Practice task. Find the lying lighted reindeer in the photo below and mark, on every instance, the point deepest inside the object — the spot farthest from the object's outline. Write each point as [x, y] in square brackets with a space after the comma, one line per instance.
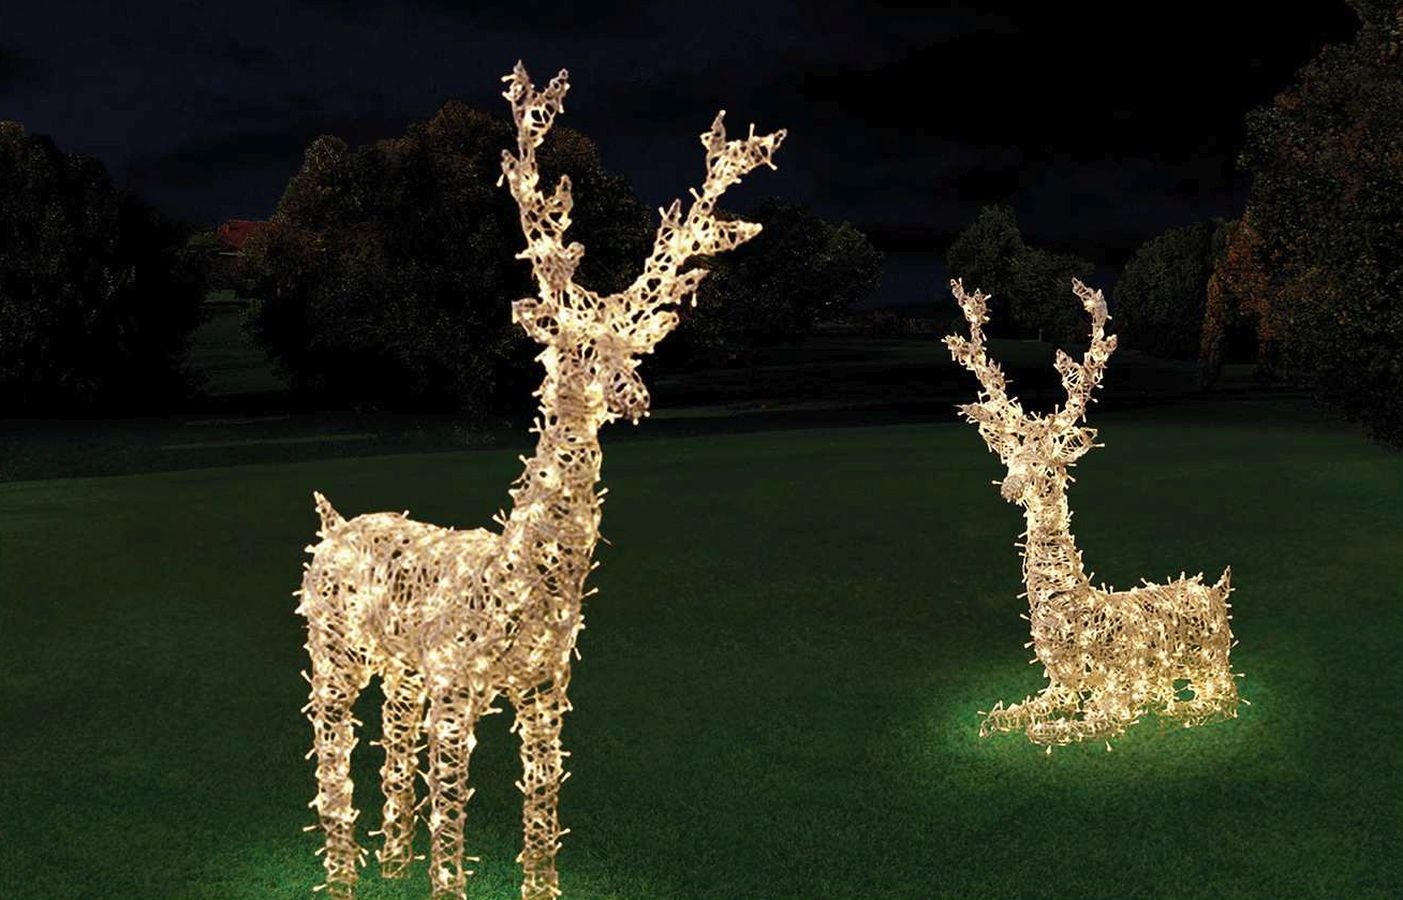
[1109, 656]
[457, 619]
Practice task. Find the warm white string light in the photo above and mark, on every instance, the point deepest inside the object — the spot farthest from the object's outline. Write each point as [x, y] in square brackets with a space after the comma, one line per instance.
[1109, 656]
[453, 620]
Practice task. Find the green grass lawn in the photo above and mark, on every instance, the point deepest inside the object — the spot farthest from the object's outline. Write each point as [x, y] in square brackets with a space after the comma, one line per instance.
[229, 361]
[780, 680]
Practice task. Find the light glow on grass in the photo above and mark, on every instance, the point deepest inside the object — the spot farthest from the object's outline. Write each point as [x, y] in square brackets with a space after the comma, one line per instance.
[1159, 754]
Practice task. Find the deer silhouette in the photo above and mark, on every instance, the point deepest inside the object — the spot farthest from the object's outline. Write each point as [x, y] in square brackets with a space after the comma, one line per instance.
[453, 620]
[1109, 656]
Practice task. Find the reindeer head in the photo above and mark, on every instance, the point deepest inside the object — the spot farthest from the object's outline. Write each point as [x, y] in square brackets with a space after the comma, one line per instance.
[587, 346]
[600, 339]
[1035, 448]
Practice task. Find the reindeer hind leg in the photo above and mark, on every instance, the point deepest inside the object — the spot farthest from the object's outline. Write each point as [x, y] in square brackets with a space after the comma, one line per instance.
[402, 716]
[1213, 686]
[1209, 671]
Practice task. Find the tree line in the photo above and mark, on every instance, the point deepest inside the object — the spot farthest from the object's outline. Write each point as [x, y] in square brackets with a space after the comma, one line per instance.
[98, 292]
[382, 280]
[1160, 301]
[384, 275]
[1307, 282]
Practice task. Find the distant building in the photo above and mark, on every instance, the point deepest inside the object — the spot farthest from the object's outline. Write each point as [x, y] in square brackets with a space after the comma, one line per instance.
[233, 233]
[229, 239]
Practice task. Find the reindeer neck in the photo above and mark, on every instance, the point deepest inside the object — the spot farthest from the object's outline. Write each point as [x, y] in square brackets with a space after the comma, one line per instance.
[554, 521]
[1052, 564]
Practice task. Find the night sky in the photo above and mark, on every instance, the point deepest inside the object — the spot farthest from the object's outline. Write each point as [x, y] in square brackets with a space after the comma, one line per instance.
[1101, 128]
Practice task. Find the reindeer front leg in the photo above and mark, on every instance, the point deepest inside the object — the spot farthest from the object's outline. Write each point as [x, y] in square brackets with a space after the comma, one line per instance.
[1051, 702]
[338, 676]
[1102, 717]
[539, 715]
[402, 716]
[452, 717]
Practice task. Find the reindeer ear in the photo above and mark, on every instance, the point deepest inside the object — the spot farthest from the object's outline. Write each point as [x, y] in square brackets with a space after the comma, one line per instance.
[538, 319]
[971, 411]
[1074, 443]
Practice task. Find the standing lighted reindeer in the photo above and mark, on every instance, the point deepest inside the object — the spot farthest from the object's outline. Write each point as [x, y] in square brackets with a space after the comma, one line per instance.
[1109, 656]
[456, 619]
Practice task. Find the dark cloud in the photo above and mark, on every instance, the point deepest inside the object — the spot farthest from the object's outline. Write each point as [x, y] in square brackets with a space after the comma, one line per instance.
[1085, 83]
[989, 185]
[366, 110]
[243, 57]
[242, 173]
[539, 16]
[236, 112]
[18, 70]
[1101, 127]
[549, 16]
[195, 162]
[199, 41]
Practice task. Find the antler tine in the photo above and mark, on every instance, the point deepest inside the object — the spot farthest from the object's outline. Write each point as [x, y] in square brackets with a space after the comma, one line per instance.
[970, 352]
[996, 413]
[544, 220]
[536, 109]
[1080, 379]
[698, 233]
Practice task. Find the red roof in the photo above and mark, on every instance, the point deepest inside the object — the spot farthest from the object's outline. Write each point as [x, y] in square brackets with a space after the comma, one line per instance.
[234, 232]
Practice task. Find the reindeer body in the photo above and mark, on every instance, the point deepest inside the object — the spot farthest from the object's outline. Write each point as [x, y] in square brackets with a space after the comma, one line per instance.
[451, 621]
[1109, 656]
[409, 559]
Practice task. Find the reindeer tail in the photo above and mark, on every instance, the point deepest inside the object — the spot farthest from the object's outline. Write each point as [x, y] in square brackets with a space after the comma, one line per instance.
[329, 516]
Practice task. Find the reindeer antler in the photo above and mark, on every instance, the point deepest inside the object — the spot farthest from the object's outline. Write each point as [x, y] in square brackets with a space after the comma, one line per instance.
[699, 233]
[996, 409]
[1080, 379]
[662, 283]
[969, 352]
[544, 220]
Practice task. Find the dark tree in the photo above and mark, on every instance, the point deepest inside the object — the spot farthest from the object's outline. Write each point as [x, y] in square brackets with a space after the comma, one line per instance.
[386, 274]
[799, 271]
[1034, 284]
[98, 295]
[1042, 298]
[983, 256]
[1163, 292]
[1235, 321]
[1327, 204]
